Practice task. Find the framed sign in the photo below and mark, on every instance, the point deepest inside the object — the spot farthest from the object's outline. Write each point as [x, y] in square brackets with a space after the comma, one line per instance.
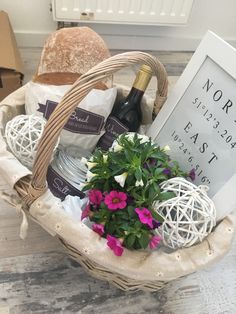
[198, 121]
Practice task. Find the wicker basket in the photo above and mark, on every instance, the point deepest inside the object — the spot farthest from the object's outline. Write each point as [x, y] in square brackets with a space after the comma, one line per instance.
[135, 269]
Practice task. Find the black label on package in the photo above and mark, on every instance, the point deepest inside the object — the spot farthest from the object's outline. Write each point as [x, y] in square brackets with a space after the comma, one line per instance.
[80, 121]
[60, 187]
[113, 128]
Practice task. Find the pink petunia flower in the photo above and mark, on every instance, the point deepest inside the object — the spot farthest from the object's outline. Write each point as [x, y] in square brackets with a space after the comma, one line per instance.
[115, 200]
[192, 174]
[85, 212]
[155, 240]
[95, 197]
[98, 228]
[145, 216]
[115, 245]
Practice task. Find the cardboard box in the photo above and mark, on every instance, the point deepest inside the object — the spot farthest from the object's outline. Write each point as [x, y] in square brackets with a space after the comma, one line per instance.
[11, 66]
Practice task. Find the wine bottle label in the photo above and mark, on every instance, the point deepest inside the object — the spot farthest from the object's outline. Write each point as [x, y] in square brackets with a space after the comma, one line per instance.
[80, 121]
[60, 187]
[113, 128]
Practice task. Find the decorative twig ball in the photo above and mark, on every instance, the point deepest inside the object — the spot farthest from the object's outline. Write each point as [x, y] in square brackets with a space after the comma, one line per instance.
[22, 134]
[189, 217]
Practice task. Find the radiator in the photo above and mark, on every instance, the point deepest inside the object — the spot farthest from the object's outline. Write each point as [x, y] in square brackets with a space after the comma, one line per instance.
[143, 12]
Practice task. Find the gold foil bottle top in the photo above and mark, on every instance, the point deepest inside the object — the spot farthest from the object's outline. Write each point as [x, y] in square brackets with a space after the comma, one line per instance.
[143, 77]
[146, 68]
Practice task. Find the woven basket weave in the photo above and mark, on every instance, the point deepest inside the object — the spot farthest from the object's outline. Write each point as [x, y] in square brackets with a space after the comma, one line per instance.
[135, 269]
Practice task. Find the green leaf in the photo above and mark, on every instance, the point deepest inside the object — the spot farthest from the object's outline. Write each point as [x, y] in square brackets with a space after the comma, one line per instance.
[161, 178]
[158, 171]
[138, 224]
[138, 174]
[125, 226]
[156, 187]
[129, 241]
[87, 187]
[102, 206]
[128, 155]
[144, 240]
[131, 212]
[130, 180]
[106, 186]
[157, 216]
[145, 172]
[166, 196]
[151, 192]
[111, 227]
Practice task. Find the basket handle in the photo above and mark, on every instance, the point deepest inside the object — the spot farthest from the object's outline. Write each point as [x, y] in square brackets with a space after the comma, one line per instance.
[70, 101]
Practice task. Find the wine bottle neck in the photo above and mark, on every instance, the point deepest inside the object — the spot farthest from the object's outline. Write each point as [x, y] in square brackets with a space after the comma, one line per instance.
[135, 95]
[143, 78]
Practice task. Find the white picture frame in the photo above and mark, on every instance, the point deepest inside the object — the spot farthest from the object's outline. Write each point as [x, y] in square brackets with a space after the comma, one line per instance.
[214, 60]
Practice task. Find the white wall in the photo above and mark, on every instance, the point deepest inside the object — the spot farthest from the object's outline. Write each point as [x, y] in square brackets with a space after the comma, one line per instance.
[32, 22]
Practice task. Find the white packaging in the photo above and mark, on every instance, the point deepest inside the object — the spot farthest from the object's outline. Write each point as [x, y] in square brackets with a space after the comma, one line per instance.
[86, 124]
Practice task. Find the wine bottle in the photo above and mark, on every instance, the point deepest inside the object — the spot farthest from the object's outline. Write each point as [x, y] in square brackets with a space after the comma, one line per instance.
[126, 114]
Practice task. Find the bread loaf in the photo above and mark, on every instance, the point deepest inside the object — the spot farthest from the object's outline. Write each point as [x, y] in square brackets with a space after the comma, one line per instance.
[60, 78]
[70, 52]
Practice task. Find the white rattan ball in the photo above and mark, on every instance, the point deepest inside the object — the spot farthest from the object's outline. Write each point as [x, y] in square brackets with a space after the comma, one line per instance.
[189, 217]
[22, 134]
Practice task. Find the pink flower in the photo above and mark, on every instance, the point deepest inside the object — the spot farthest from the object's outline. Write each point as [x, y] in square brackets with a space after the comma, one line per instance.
[145, 216]
[155, 240]
[115, 245]
[99, 228]
[192, 174]
[85, 212]
[95, 197]
[116, 200]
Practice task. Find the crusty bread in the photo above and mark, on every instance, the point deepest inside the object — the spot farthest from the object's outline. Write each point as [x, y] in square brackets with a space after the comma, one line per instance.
[68, 53]
[61, 78]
